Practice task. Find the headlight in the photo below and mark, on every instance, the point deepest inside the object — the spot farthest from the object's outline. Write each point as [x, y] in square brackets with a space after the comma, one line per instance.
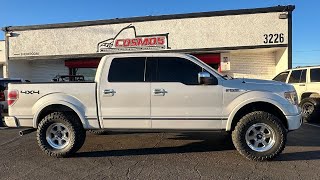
[292, 97]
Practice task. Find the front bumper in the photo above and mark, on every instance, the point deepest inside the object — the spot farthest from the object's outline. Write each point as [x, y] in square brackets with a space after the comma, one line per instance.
[294, 122]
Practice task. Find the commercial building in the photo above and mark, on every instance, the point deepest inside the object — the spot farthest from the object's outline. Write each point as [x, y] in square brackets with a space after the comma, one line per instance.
[254, 43]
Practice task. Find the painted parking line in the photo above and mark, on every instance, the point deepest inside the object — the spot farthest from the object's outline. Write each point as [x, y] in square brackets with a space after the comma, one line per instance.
[315, 125]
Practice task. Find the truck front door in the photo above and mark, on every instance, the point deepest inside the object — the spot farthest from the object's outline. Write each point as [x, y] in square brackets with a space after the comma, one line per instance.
[178, 101]
[124, 94]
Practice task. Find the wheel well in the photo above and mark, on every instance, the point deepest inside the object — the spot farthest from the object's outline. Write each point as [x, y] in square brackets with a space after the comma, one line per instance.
[259, 106]
[305, 95]
[56, 108]
[310, 94]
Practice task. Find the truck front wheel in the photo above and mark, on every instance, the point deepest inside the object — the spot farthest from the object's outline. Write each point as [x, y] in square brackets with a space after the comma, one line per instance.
[259, 136]
[60, 135]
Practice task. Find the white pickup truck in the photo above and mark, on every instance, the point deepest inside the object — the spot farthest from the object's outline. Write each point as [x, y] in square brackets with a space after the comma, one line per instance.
[157, 92]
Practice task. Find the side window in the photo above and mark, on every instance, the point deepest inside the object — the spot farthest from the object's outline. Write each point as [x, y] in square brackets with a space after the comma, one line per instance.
[127, 70]
[177, 70]
[282, 77]
[298, 76]
[315, 75]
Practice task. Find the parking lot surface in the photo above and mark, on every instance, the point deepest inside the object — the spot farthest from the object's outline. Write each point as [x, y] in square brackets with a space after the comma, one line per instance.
[158, 156]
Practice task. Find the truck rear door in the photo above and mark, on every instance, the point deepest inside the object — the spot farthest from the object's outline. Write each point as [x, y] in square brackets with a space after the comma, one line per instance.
[124, 94]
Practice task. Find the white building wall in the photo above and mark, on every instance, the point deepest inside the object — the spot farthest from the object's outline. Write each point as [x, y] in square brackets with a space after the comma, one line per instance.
[1, 71]
[260, 65]
[187, 33]
[281, 60]
[2, 57]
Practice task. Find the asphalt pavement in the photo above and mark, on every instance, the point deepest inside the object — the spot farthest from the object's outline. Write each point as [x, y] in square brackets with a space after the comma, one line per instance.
[158, 156]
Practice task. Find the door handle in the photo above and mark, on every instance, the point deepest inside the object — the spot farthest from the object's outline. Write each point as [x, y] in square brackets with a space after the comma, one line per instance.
[109, 91]
[302, 85]
[159, 92]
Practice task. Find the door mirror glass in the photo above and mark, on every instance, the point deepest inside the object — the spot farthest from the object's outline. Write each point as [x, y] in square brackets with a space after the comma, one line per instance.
[206, 79]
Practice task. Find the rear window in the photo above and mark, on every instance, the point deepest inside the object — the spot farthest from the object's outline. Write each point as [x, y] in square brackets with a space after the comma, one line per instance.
[4, 83]
[298, 76]
[315, 75]
[282, 77]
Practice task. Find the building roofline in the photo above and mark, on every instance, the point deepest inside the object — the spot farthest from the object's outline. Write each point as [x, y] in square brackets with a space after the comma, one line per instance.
[288, 8]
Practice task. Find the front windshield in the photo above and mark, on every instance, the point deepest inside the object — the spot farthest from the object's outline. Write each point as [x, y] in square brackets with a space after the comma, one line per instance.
[282, 77]
[215, 71]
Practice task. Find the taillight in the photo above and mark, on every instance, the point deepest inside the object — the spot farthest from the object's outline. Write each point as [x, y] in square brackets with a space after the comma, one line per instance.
[13, 96]
[2, 97]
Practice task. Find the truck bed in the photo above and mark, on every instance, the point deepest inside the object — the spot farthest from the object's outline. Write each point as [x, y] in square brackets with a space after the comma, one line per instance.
[31, 93]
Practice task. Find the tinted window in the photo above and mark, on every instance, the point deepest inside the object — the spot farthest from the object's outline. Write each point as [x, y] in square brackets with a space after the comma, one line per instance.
[298, 76]
[127, 70]
[315, 75]
[281, 77]
[177, 70]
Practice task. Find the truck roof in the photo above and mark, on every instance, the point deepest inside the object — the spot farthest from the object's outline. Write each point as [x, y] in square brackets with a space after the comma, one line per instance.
[146, 54]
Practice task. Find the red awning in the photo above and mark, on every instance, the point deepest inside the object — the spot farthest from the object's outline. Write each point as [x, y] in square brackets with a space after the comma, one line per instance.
[82, 63]
[209, 58]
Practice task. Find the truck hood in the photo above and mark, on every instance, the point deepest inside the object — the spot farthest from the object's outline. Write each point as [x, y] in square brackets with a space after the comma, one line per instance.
[258, 85]
[261, 82]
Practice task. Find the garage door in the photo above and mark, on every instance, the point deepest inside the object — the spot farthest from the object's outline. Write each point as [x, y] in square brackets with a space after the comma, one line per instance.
[45, 70]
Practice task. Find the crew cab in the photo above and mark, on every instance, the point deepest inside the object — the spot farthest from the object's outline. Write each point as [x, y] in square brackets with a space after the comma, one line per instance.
[157, 92]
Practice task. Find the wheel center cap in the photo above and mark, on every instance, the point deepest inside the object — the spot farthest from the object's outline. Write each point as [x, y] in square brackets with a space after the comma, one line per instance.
[59, 134]
[259, 136]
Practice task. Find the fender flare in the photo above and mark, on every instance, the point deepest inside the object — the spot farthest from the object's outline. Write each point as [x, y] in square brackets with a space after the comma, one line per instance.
[59, 99]
[253, 100]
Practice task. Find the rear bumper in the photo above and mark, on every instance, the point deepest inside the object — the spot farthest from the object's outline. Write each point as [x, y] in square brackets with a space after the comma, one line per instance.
[11, 121]
[294, 122]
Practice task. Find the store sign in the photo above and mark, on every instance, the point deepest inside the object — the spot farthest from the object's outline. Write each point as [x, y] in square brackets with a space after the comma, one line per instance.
[128, 40]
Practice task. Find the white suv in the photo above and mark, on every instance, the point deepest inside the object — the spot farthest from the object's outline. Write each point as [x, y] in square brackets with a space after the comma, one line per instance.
[306, 81]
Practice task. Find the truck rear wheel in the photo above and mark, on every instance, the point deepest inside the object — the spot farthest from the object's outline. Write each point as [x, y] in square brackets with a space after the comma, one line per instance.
[259, 136]
[60, 135]
[310, 109]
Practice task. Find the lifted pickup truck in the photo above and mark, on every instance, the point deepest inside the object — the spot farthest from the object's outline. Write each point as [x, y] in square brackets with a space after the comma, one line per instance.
[157, 92]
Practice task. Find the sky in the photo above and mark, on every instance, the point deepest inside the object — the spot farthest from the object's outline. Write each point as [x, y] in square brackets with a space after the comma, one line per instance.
[306, 16]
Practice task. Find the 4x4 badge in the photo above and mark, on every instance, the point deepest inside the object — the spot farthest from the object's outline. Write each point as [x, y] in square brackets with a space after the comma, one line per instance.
[30, 92]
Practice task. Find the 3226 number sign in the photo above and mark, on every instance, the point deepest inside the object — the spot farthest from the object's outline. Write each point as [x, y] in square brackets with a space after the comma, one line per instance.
[273, 38]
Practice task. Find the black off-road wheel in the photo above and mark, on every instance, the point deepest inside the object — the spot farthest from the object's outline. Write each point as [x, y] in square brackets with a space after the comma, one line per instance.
[98, 131]
[259, 136]
[60, 134]
[310, 109]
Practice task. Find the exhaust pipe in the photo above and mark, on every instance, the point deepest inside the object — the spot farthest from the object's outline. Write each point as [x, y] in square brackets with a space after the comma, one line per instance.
[26, 131]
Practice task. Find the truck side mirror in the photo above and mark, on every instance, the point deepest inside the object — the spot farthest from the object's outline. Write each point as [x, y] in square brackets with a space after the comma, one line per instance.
[206, 79]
